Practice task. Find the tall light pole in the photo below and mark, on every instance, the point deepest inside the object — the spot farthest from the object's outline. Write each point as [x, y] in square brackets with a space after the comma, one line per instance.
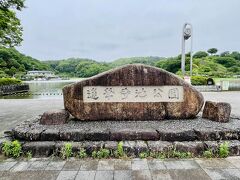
[186, 34]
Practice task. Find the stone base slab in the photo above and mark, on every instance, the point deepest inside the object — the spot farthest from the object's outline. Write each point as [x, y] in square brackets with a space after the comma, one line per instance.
[131, 148]
[198, 129]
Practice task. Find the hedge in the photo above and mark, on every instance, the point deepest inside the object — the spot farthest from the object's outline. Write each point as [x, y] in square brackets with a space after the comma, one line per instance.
[198, 80]
[9, 81]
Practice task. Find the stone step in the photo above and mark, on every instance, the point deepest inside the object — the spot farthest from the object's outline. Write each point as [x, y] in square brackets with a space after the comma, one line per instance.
[170, 130]
[131, 148]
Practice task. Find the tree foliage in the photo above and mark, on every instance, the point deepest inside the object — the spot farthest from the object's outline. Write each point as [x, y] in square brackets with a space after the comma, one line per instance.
[88, 69]
[78, 67]
[212, 51]
[151, 60]
[10, 26]
[12, 62]
[200, 54]
[171, 64]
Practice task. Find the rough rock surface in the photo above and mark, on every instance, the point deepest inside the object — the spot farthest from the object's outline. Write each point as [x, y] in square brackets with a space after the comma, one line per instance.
[132, 75]
[54, 117]
[219, 112]
[198, 129]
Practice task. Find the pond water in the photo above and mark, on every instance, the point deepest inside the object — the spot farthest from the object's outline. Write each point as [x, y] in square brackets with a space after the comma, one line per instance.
[42, 90]
[53, 89]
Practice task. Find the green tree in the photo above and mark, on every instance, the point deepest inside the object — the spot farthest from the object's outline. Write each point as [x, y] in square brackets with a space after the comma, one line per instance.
[88, 68]
[12, 71]
[11, 62]
[235, 55]
[226, 61]
[225, 53]
[171, 65]
[200, 54]
[10, 26]
[212, 51]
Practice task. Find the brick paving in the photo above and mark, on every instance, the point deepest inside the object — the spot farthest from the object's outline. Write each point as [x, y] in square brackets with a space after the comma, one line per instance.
[131, 169]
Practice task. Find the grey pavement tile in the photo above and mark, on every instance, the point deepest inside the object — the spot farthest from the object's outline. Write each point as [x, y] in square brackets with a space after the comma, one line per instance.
[139, 164]
[104, 175]
[214, 163]
[156, 164]
[190, 164]
[234, 173]
[173, 164]
[122, 175]
[85, 175]
[67, 175]
[160, 175]
[38, 165]
[235, 160]
[9, 159]
[21, 166]
[223, 173]
[35, 159]
[5, 166]
[120, 164]
[49, 175]
[141, 175]
[89, 165]
[55, 165]
[188, 174]
[31, 175]
[72, 165]
[6, 175]
[105, 165]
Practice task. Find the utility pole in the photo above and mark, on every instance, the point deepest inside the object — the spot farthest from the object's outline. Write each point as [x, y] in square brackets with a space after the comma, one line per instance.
[186, 34]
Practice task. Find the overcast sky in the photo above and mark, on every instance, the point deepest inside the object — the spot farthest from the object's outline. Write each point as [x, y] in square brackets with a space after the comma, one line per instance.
[105, 30]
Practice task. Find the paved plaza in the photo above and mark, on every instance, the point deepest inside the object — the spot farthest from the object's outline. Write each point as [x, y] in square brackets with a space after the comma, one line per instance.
[117, 169]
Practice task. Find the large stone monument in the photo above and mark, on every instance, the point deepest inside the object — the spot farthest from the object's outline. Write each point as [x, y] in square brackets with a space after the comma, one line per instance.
[132, 92]
[149, 109]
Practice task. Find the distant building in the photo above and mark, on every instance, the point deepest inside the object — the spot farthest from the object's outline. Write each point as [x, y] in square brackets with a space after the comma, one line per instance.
[40, 73]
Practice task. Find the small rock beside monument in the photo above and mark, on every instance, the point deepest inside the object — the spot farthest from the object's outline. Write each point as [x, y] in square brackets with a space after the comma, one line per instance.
[55, 117]
[219, 112]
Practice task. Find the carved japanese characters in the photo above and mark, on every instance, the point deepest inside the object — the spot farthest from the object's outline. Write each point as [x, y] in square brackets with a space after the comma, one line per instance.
[132, 92]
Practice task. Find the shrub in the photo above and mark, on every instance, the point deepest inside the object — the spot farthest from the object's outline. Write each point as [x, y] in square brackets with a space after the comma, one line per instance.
[9, 81]
[198, 80]
[224, 150]
[208, 153]
[103, 153]
[16, 149]
[181, 155]
[143, 155]
[12, 149]
[161, 155]
[178, 154]
[66, 151]
[7, 148]
[94, 154]
[82, 153]
[120, 151]
[29, 155]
